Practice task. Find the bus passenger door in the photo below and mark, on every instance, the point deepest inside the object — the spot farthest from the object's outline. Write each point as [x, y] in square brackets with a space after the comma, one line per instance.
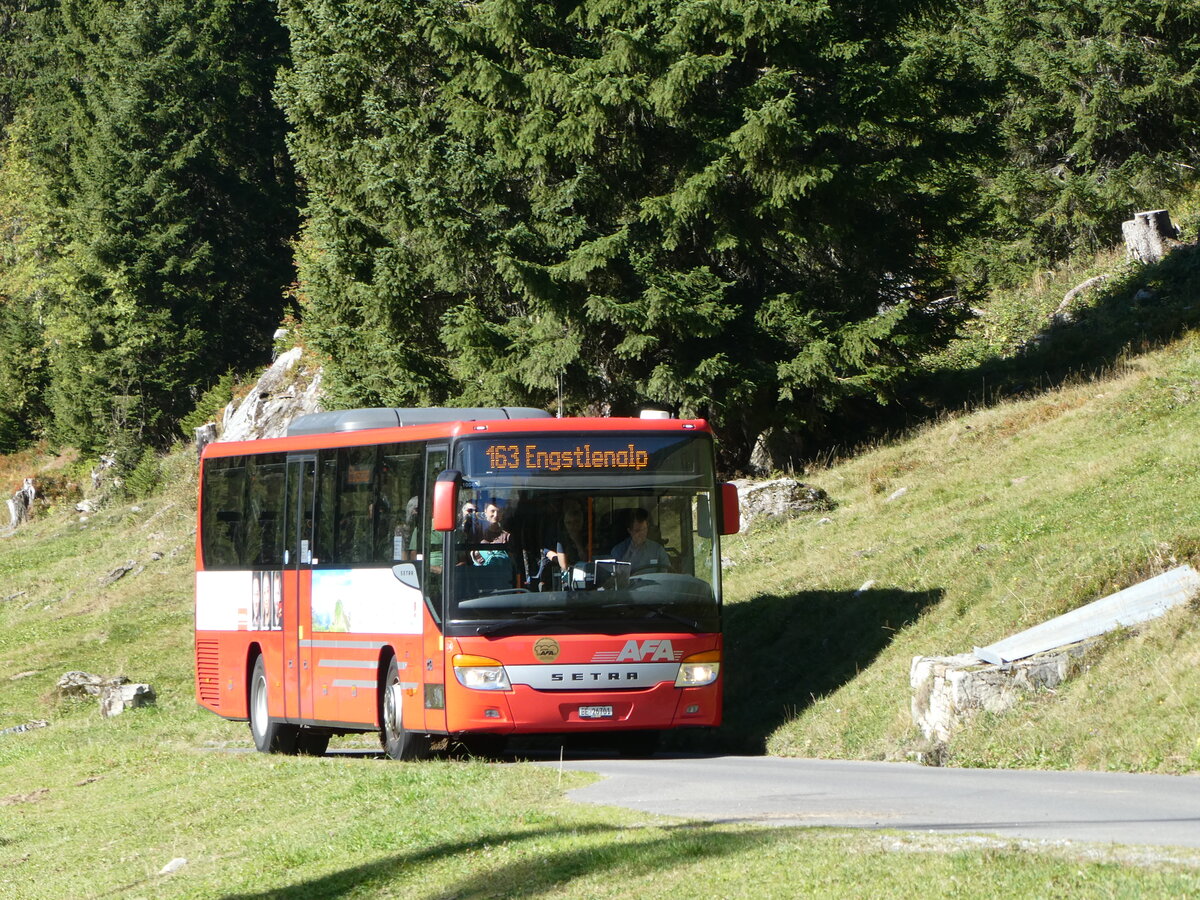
[297, 588]
[433, 689]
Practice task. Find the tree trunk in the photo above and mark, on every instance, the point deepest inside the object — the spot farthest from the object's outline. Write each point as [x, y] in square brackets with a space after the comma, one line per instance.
[1148, 235]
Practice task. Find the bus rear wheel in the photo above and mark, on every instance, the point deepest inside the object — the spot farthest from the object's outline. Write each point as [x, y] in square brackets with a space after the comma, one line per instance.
[269, 736]
[398, 742]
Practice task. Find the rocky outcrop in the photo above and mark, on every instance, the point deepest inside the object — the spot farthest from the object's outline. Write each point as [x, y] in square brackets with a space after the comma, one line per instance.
[116, 693]
[949, 691]
[778, 497]
[290, 387]
[21, 504]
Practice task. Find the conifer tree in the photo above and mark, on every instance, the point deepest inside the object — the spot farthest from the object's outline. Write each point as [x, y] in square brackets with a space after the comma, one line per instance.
[718, 206]
[175, 206]
[1099, 115]
[25, 289]
[25, 232]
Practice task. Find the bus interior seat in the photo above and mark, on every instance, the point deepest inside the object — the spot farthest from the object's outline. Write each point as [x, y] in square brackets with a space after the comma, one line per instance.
[476, 581]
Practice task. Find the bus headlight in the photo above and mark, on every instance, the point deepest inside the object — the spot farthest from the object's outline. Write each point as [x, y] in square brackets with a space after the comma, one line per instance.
[480, 673]
[699, 669]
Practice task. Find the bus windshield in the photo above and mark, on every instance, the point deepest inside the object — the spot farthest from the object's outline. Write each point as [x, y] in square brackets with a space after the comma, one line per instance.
[609, 534]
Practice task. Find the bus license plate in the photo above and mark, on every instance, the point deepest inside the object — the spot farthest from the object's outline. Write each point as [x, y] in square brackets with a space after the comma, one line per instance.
[595, 712]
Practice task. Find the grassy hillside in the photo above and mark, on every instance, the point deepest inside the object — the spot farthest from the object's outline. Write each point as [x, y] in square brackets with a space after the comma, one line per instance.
[985, 522]
[99, 808]
[977, 527]
[974, 527]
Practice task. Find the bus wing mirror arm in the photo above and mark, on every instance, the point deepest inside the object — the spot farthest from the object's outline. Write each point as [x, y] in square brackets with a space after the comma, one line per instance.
[731, 519]
[445, 500]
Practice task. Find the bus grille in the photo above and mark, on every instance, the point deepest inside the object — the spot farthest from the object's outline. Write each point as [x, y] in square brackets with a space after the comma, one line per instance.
[208, 672]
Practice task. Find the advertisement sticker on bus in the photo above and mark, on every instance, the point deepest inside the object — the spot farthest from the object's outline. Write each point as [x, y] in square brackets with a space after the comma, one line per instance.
[365, 601]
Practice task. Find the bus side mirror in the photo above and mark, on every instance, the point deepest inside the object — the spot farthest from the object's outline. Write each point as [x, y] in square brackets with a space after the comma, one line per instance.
[731, 519]
[445, 500]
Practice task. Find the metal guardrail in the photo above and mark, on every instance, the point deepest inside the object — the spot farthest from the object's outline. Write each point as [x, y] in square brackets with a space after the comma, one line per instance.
[1136, 604]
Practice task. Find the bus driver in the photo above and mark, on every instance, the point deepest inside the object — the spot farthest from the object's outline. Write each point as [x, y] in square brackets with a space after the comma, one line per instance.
[642, 554]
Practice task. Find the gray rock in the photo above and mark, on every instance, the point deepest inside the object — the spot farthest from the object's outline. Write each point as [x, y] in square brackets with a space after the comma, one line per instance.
[287, 389]
[173, 866]
[116, 698]
[81, 684]
[775, 450]
[116, 693]
[118, 573]
[778, 497]
[949, 691]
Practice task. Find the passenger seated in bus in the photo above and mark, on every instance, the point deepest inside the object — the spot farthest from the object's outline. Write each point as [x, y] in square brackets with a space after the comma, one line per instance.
[470, 522]
[434, 545]
[562, 548]
[493, 514]
[489, 553]
[642, 554]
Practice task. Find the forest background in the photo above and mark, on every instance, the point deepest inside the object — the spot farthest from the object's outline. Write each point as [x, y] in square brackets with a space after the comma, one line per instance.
[767, 214]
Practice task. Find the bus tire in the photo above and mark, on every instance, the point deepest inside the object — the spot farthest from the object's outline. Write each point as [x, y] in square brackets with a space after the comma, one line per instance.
[398, 742]
[270, 736]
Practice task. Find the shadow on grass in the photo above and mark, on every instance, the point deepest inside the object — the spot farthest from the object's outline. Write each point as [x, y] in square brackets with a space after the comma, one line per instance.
[784, 651]
[521, 871]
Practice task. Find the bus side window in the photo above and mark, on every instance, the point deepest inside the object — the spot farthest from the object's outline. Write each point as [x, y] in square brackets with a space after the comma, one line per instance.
[395, 506]
[322, 550]
[223, 529]
[268, 477]
[354, 539]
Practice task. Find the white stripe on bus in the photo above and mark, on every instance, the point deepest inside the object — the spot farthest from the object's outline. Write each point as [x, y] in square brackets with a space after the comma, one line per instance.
[351, 663]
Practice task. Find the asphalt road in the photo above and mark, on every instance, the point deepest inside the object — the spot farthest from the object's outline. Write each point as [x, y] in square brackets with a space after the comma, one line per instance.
[1084, 806]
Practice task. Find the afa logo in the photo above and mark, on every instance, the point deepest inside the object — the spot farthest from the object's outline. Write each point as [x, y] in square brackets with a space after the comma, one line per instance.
[640, 651]
[648, 651]
[546, 650]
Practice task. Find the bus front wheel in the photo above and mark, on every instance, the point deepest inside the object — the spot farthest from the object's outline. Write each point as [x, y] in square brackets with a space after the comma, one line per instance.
[398, 742]
[269, 736]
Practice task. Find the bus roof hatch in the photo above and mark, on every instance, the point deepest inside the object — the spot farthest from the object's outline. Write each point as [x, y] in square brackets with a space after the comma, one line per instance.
[393, 417]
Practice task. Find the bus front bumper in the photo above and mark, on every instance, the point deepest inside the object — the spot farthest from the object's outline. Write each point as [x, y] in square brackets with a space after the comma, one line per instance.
[524, 710]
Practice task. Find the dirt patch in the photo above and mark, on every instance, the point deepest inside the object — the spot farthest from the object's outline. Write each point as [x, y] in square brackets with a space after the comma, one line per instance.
[31, 797]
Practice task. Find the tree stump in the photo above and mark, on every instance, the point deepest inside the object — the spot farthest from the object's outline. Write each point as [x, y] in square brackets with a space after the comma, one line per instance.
[21, 503]
[1149, 235]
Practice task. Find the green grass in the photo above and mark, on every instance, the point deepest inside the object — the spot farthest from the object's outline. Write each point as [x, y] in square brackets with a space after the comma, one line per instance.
[97, 809]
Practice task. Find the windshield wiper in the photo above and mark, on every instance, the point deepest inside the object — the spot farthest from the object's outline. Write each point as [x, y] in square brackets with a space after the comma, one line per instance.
[518, 624]
[657, 612]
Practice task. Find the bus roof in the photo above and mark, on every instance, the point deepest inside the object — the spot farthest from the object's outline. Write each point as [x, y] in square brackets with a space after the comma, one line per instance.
[442, 425]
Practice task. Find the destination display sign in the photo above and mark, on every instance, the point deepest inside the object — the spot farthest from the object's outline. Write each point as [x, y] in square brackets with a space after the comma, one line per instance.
[533, 456]
[555, 455]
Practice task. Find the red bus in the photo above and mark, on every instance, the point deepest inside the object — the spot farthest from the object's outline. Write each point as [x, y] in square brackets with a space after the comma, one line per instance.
[469, 574]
